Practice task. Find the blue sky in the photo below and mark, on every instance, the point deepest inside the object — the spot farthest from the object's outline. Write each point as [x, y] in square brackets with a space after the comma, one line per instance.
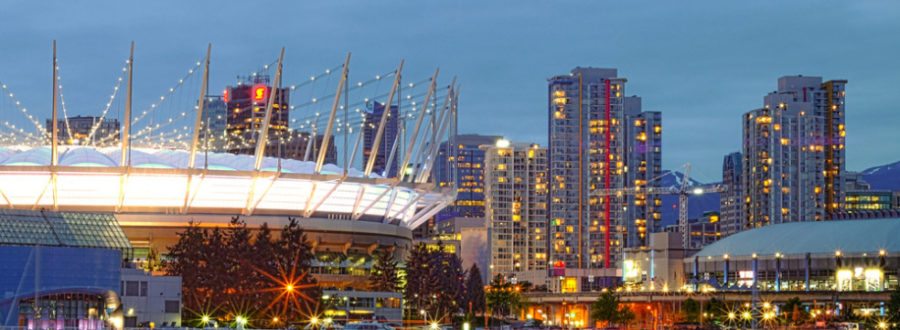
[702, 63]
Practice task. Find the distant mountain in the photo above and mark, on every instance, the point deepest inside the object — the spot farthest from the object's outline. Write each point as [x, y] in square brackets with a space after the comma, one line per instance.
[697, 205]
[884, 177]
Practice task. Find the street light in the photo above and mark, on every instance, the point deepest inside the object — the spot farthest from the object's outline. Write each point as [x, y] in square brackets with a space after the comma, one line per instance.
[289, 288]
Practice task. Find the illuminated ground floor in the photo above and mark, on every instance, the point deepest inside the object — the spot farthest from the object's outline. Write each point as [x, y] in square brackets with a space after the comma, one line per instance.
[738, 309]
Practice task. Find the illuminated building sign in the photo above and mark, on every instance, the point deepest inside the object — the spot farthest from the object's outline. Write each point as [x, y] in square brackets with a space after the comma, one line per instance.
[260, 92]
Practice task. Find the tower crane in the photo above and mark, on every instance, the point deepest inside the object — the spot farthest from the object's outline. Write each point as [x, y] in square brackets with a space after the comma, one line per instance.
[683, 191]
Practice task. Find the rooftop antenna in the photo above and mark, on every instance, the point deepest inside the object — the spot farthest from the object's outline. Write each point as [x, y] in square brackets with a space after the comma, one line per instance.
[201, 104]
[384, 116]
[54, 150]
[54, 141]
[323, 151]
[264, 130]
[126, 131]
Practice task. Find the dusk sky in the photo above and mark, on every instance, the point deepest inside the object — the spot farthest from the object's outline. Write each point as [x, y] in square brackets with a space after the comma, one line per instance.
[702, 63]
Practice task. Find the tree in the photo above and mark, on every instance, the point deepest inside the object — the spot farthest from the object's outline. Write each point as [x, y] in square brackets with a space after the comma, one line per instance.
[228, 271]
[237, 258]
[608, 309]
[419, 277]
[793, 310]
[187, 262]
[691, 310]
[474, 291]
[715, 309]
[449, 292]
[384, 276]
[503, 298]
[893, 306]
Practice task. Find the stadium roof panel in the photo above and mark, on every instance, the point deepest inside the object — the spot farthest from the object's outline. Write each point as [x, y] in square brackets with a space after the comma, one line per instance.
[814, 237]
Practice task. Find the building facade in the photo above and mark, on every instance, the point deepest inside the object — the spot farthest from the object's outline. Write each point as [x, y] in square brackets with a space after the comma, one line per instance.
[147, 298]
[215, 123]
[463, 167]
[599, 139]
[643, 165]
[384, 163]
[731, 202]
[86, 130]
[246, 105]
[516, 209]
[793, 153]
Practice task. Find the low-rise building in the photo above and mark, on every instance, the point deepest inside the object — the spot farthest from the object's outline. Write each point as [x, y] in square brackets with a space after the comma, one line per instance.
[148, 299]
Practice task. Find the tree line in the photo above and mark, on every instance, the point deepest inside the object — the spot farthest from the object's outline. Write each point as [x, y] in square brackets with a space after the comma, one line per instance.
[232, 272]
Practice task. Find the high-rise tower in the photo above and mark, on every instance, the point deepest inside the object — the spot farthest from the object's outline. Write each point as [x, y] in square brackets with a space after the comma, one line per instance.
[599, 139]
[515, 184]
[793, 153]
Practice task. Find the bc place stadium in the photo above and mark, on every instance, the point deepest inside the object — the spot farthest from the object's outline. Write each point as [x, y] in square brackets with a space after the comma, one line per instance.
[349, 159]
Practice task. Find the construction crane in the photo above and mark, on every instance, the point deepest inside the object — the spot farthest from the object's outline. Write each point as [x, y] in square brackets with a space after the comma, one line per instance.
[683, 191]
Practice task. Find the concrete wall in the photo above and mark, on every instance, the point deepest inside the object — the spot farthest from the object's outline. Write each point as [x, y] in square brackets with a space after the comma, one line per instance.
[142, 309]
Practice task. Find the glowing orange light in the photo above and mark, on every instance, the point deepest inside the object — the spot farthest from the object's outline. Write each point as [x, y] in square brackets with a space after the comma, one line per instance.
[225, 95]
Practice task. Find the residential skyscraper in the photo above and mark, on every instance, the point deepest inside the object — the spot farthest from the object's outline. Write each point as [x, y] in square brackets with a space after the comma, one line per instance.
[465, 167]
[731, 201]
[793, 153]
[516, 189]
[246, 107]
[589, 145]
[643, 165]
[386, 148]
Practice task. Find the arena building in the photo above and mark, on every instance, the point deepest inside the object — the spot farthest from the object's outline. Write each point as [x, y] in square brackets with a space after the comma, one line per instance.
[158, 176]
[850, 255]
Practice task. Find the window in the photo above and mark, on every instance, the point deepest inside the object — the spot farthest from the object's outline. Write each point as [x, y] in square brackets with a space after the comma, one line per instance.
[131, 288]
[173, 306]
[143, 288]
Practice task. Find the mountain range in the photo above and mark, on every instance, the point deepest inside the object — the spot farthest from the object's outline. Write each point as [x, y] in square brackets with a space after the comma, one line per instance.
[884, 177]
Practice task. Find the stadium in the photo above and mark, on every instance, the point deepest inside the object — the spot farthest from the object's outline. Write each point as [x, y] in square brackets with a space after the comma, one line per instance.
[360, 182]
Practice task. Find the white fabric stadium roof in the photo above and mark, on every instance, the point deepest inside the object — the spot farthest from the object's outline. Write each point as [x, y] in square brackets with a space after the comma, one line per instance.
[814, 237]
[157, 158]
[90, 179]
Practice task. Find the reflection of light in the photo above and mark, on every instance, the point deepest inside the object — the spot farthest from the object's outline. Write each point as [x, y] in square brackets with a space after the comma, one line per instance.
[698, 191]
